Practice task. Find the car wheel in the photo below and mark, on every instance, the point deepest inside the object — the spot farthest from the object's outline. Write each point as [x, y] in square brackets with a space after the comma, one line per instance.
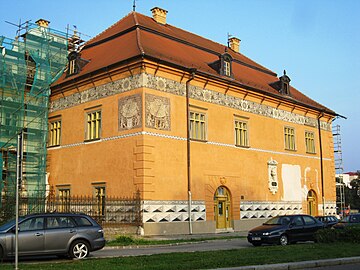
[79, 249]
[256, 244]
[283, 240]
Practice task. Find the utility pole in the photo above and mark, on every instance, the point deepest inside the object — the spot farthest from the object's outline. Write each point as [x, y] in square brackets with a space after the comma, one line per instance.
[19, 175]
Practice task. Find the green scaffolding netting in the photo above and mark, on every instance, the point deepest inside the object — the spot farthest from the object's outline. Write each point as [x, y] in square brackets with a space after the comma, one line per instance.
[28, 65]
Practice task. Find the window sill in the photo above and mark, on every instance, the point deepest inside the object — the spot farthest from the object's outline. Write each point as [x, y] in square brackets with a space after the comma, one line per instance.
[92, 140]
[198, 140]
[242, 146]
[291, 150]
[53, 146]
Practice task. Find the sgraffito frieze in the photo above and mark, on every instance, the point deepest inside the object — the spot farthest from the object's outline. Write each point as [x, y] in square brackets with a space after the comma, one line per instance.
[177, 88]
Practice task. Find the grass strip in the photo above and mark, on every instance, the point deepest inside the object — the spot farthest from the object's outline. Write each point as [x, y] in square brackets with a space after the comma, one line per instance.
[208, 259]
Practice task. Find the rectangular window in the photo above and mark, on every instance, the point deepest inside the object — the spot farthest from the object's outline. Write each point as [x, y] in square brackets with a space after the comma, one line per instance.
[289, 133]
[72, 66]
[197, 126]
[64, 199]
[93, 125]
[100, 200]
[54, 133]
[227, 70]
[310, 142]
[241, 133]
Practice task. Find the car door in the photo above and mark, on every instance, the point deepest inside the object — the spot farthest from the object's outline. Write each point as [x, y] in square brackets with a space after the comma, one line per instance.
[31, 237]
[296, 229]
[58, 233]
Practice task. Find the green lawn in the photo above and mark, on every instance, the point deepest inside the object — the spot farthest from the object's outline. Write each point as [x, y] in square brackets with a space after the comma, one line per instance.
[208, 260]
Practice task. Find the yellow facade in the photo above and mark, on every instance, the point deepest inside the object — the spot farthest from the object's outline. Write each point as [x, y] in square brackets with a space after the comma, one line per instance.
[143, 146]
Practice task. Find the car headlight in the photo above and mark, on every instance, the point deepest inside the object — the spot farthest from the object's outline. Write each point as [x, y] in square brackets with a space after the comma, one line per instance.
[249, 233]
[266, 233]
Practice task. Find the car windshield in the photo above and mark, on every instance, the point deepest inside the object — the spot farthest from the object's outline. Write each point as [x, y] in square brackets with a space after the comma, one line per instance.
[278, 221]
[7, 225]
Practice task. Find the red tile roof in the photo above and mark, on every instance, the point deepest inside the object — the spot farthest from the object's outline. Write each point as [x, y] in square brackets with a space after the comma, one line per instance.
[139, 35]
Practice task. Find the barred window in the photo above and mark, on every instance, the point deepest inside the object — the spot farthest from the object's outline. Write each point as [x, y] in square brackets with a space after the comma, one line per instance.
[64, 199]
[310, 142]
[54, 133]
[93, 125]
[289, 133]
[241, 133]
[197, 126]
[100, 197]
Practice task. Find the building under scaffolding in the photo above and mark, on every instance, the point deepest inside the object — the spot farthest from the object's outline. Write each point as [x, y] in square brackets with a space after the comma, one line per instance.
[28, 65]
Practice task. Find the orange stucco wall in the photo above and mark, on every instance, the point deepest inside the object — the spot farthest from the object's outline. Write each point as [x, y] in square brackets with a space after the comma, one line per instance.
[155, 161]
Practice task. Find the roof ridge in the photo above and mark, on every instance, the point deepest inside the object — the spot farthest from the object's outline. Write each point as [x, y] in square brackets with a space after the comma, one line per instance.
[111, 26]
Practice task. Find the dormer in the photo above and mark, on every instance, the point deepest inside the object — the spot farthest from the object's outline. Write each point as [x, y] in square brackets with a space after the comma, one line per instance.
[282, 85]
[285, 84]
[226, 65]
[73, 63]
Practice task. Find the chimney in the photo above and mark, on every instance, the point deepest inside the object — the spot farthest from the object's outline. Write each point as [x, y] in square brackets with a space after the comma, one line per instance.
[159, 15]
[42, 23]
[234, 44]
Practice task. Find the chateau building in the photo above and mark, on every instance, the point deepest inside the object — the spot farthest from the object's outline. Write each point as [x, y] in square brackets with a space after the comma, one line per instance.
[212, 140]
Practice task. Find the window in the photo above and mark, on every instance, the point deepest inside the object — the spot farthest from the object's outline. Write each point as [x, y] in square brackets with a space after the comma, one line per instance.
[54, 133]
[227, 68]
[310, 142]
[309, 220]
[72, 64]
[289, 138]
[59, 222]
[93, 125]
[241, 133]
[32, 224]
[64, 199]
[197, 126]
[100, 198]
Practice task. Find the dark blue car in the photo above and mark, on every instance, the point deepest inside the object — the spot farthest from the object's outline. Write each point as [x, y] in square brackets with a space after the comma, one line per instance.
[285, 229]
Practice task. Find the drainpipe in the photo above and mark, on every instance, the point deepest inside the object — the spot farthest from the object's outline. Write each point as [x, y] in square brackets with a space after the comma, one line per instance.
[192, 73]
[321, 163]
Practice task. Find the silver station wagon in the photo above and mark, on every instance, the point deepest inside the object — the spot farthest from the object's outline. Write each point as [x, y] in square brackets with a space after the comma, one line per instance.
[74, 235]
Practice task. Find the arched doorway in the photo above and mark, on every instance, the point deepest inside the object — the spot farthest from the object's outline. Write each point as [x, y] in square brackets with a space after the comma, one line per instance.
[222, 208]
[312, 203]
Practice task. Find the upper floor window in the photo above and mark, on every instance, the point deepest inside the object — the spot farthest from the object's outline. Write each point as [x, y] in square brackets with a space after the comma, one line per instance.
[73, 59]
[289, 134]
[54, 133]
[197, 126]
[241, 133]
[310, 142]
[226, 65]
[93, 125]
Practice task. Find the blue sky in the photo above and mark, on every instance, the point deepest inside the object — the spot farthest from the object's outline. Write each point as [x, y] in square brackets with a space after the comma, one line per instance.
[316, 41]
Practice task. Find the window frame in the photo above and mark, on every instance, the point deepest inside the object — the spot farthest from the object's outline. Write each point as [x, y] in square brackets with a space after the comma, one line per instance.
[199, 123]
[239, 130]
[93, 127]
[100, 206]
[290, 138]
[64, 196]
[310, 148]
[54, 140]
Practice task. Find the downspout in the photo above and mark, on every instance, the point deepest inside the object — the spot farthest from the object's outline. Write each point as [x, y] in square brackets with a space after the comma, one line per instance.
[321, 163]
[192, 73]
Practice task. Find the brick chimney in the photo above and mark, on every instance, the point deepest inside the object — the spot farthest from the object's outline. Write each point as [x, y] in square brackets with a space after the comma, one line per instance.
[159, 15]
[42, 23]
[234, 44]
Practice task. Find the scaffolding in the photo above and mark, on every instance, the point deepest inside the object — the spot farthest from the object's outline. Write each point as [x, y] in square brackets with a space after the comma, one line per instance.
[340, 186]
[28, 65]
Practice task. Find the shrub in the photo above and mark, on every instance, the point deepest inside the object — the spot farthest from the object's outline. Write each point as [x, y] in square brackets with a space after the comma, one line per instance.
[350, 234]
